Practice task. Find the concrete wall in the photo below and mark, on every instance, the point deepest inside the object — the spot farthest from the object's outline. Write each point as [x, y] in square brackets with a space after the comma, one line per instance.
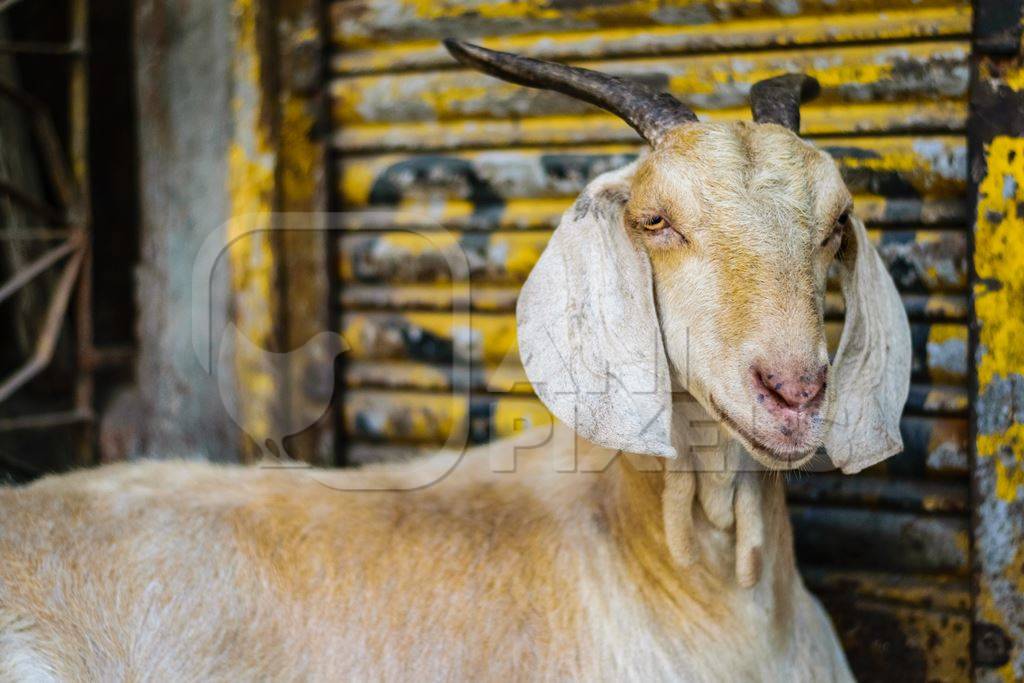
[184, 81]
[228, 95]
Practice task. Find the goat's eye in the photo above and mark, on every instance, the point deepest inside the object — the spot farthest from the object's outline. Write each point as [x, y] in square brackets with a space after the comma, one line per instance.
[654, 222]
[837, 230]
[658, 232]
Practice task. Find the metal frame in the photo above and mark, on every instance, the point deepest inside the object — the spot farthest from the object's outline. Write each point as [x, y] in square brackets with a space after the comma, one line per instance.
[69, 223]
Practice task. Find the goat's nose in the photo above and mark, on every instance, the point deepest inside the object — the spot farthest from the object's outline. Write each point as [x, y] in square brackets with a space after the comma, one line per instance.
[797, 389]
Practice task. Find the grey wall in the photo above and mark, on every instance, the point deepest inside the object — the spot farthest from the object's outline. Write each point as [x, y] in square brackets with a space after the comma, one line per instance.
[184, 81]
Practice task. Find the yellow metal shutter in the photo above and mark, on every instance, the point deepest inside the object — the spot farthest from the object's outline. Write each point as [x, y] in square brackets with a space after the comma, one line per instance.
[422, 142]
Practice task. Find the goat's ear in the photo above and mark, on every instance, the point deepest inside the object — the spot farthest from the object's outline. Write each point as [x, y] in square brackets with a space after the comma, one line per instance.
[589, 336]
[871, 373]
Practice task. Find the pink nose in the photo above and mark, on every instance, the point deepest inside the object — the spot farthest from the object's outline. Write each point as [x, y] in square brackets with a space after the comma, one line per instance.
[798, 389]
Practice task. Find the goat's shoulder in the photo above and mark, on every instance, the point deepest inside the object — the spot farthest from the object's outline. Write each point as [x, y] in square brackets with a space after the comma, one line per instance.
[119, 551]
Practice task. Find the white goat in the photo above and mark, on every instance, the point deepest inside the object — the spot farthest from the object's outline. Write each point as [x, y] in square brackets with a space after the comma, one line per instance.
[702, 266]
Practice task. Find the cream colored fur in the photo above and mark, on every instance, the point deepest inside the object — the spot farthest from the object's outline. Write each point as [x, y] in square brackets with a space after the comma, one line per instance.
[194, 572]
[628, 567]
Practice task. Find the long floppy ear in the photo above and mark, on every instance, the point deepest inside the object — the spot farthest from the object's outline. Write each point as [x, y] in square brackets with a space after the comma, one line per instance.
[589, 336]
[871, 373]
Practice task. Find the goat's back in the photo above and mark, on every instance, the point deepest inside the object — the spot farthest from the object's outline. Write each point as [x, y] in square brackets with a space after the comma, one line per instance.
[181, 570]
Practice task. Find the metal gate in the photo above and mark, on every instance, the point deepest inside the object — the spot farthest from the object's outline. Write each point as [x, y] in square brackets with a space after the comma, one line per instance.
[48, 227]
[495, 165]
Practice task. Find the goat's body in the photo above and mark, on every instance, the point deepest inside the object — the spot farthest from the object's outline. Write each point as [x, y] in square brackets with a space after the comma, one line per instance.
[187, 571]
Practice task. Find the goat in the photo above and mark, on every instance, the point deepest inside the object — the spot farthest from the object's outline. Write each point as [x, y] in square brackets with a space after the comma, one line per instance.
[698, 271]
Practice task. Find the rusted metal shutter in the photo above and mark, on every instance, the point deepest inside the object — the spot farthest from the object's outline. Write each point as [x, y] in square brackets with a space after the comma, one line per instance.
[430, 144]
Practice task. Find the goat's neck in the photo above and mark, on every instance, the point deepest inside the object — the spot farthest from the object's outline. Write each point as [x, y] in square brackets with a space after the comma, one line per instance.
[641, 503]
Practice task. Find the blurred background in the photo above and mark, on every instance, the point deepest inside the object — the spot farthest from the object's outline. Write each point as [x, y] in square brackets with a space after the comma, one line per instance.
[367, 195]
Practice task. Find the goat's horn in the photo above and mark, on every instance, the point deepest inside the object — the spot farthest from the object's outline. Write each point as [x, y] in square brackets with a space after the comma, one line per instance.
[777, 100]
[650, 113]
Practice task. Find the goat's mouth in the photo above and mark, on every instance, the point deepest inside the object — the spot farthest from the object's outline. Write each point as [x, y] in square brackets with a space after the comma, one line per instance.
[776, 456]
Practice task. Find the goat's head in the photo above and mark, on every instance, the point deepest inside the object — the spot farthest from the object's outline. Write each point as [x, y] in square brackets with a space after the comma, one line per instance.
[704, 265]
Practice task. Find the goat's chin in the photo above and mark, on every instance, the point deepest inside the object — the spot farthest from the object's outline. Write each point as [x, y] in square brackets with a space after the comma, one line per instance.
[776, 456]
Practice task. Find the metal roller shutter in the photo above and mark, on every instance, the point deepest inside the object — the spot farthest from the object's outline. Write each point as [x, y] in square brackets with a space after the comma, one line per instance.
[421, 142]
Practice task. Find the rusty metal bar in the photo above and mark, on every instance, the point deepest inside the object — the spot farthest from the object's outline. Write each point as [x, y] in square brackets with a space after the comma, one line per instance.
[110, 356]
[43, 421]
[34, 234]
[41, 48]
[79, 180]
[50, 332]
[49, 143]
[7, 4]
[70, 186]
[19, 196]
[27, 273]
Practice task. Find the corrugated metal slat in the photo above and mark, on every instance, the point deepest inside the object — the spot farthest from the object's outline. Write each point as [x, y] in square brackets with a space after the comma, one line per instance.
[373, 24]
[745, 34]
[924, 260]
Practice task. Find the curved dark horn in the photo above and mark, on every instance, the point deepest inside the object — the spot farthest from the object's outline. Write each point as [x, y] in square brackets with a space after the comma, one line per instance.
[777, 100]
[649, 112]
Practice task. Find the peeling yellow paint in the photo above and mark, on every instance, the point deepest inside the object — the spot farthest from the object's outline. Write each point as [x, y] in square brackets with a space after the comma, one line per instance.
[416, 243]
[251, 255]
[408, 417]
[999, 258]
[430, 10]
[527, 213]
[989, 444]
[816, 119]
[999, 300]
[299, 157]
[941, 333]
[1014, 78]
[511, 416]
[387, 21]
[739, 34]
[831, 76]
[985, 610]
[433, 418]
[1008, 481]
[927, 163]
